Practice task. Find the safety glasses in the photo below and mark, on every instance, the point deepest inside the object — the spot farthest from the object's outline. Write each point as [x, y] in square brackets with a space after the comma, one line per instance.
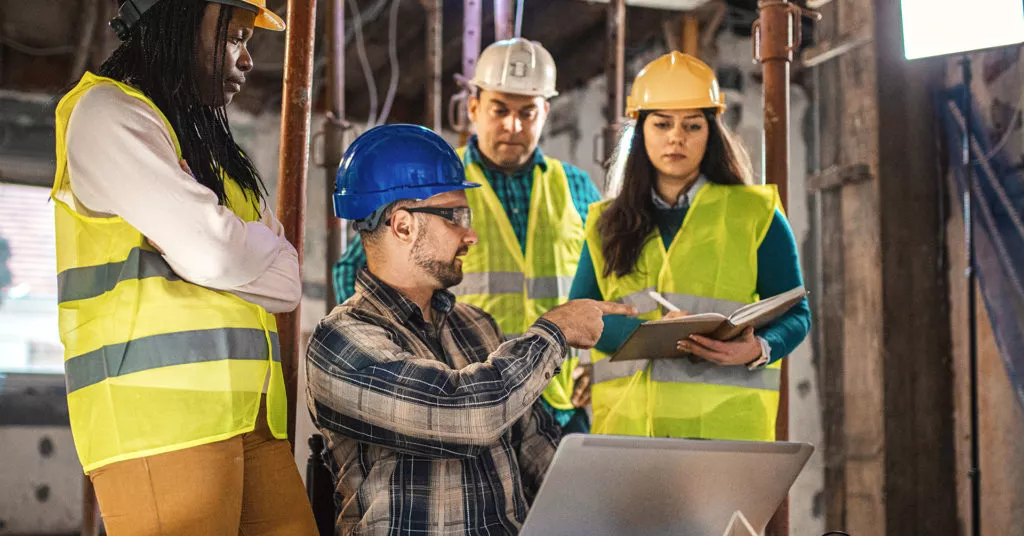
[461, 216]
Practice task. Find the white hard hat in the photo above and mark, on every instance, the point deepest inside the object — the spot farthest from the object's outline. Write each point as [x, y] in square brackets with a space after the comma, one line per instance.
[518, 66]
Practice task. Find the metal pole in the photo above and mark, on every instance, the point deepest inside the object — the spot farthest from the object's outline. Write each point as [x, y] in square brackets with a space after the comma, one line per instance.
[615, 73]
[472, 13]
[504, 19]
[972, 314]
[774, 42]
[334, 141]
[435, 20]
[291, 195]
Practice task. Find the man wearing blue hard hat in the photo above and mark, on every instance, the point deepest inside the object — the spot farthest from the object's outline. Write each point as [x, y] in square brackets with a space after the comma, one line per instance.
[432, 418]
[530, 211]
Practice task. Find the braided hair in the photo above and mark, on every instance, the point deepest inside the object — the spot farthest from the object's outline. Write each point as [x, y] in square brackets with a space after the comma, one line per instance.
[160, 58]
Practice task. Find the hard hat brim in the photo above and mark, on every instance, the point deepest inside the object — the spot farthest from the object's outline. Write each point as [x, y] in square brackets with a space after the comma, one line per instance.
[265, 18]
[633, 112]
[268, 20]
[358, 207]
[498, 89]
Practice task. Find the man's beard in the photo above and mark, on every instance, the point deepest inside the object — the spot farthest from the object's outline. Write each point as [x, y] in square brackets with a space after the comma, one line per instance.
[447, 273]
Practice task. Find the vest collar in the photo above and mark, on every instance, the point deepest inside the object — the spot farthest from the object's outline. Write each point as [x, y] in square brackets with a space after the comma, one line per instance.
[684, 199]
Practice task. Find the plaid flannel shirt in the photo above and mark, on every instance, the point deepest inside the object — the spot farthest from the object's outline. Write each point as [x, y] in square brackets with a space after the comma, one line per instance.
[434, 426]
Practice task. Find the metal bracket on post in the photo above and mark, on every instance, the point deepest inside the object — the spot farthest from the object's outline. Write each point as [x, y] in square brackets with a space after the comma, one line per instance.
[838, 176]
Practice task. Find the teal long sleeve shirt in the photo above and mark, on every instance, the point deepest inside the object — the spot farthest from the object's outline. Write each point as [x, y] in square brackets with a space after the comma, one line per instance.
[778, 270]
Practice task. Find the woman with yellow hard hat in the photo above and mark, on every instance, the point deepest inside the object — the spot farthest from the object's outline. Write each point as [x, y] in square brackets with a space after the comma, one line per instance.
[170, 267]
[689, 225]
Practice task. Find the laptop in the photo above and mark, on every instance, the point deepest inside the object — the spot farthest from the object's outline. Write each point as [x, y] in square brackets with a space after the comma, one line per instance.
[622, 485]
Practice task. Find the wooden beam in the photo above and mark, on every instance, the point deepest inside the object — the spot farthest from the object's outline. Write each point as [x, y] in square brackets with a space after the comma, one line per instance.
[918, 412]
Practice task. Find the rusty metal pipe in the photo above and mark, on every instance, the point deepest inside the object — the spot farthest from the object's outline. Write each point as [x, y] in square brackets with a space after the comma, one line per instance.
[774, 35]
[615, 73]
[334, 140]
[294, 165]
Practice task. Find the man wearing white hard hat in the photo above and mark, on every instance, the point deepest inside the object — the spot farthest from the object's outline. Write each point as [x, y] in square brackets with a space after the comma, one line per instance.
[529, 212]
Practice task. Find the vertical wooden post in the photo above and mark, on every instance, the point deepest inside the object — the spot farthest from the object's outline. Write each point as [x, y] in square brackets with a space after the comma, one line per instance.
[294, 165]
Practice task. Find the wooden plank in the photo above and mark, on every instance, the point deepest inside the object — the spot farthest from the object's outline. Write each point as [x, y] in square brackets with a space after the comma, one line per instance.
[918, 411]
[863, 381]
[830, 303]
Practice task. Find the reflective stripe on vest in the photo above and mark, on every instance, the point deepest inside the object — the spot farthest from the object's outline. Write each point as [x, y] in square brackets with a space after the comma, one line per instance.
[710, 266]
[537, 288]
[153, 363]
[166, 350]
[86, 282]
[513, 287]
[685, 371]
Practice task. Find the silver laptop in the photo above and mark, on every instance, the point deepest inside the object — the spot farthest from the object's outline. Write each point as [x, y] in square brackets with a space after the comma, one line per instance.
[619, 485]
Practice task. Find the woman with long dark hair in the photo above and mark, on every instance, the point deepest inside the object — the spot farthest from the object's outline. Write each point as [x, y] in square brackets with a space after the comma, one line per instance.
[170, 267]
[689, 225]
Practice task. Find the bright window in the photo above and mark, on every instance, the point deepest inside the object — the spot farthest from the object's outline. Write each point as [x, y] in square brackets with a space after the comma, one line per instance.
[29, 339]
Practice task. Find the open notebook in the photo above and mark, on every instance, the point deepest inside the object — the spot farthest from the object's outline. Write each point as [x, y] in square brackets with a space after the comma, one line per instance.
[657, 339]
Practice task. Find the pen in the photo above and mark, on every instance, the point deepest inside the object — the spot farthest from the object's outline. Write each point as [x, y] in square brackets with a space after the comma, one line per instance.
[661, 299]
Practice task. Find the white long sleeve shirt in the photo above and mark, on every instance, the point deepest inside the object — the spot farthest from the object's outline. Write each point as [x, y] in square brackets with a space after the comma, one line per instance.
[122, 162]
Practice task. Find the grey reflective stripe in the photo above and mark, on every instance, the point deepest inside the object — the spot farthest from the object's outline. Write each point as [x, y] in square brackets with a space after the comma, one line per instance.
[556, 286]
[490, 283]
[640, 299]
[702, 304]
[275, 347]
[164, 351]
[90, 281]
[607, 370]
[684, 371]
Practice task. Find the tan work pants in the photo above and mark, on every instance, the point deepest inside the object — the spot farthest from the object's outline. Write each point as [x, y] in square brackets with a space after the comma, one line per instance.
[247, 485]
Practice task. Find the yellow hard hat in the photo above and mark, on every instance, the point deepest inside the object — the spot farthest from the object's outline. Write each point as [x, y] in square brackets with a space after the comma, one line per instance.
[265, 18]
[675, 81]
[131, 11]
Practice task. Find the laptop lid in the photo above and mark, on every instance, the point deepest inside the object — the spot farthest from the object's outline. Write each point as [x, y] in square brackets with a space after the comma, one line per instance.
[612, 485]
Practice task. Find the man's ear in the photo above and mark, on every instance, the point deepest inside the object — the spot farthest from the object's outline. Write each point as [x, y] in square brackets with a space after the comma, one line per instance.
[474, 108]
[403, 226]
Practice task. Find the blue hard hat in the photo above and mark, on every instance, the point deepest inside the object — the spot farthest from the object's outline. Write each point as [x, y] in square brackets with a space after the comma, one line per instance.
[393, 162]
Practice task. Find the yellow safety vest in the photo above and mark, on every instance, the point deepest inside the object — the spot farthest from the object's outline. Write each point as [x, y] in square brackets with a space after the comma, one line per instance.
[710, 266]
[153, 363]
[517, 289]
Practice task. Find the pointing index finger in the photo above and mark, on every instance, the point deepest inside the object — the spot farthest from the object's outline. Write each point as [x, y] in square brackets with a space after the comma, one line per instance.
[611, 308]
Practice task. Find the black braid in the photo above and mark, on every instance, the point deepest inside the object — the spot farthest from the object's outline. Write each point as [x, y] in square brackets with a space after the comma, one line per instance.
[159, 57]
